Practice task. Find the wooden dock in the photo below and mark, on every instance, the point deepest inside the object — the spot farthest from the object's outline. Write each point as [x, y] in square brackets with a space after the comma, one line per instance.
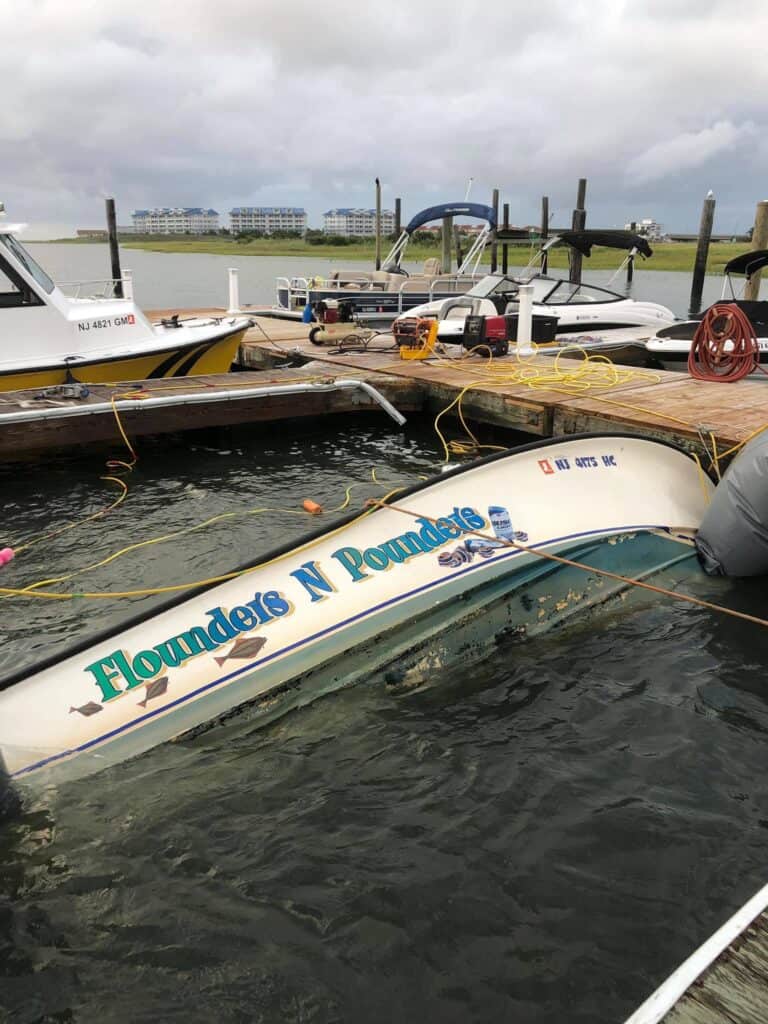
[664, 404]
[537, 396]
[724, 980]
[43, 419]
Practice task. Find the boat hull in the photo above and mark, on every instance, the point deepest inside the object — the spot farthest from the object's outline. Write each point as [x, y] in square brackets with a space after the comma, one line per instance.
[317, 616]
[180, 358]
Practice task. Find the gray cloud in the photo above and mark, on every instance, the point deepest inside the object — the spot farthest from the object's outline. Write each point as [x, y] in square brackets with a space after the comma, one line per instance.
[655, 101]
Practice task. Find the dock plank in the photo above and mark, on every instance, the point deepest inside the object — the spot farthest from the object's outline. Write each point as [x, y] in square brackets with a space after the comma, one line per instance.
[234, 398]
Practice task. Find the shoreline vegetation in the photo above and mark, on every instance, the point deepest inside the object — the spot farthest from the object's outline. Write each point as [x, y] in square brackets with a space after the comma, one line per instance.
[675, 256]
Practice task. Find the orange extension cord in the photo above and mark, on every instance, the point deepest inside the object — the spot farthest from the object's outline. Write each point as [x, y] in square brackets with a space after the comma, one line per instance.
[724, 347]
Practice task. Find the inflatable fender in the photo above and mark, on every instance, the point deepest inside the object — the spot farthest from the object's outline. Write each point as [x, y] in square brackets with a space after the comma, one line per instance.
[733, 536]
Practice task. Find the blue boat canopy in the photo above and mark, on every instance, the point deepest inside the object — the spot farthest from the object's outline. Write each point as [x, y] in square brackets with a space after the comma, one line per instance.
[485, 213]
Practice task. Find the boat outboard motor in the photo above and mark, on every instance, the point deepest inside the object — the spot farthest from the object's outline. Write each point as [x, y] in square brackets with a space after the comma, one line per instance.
[733, 536]
[10, 804]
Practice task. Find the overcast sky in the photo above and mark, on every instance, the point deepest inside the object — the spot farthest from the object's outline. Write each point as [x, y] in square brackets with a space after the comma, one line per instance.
[298, 103]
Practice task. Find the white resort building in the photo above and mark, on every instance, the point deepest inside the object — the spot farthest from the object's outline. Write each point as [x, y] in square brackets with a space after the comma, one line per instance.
[345, 221]
[267, 219]
[648, 228]
[182, 220]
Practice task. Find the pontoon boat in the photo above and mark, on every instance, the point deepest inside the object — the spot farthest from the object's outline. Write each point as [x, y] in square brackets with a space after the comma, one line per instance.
[383, 294]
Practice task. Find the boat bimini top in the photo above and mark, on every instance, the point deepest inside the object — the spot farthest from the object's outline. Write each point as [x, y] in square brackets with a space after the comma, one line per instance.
[582, 241]
[392, 261]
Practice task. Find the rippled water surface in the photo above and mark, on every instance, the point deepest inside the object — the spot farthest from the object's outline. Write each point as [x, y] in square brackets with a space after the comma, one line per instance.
[539, 837]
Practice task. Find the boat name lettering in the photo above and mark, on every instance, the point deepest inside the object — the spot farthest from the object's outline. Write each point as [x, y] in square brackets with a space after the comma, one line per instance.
[111, 321]
[428, 535]
[121, 671]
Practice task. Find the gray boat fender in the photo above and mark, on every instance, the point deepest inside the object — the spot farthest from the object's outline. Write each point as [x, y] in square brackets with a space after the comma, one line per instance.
[733, 536]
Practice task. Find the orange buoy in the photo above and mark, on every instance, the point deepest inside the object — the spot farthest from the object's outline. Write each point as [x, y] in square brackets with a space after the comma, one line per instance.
[312, 507]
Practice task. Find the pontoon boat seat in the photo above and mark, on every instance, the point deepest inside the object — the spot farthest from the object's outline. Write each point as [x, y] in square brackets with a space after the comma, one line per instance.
[432, 267]
[414, 283]
[380, 280]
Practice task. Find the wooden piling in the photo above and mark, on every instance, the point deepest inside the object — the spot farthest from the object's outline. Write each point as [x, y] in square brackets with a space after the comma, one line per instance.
[114, 250]
[447, 239]
[398, 216]
[378, 224]
[578, 221]
[505, 245]
[494, 245]
[631, 260]
[457, 245]
[544, 229]
[759, 241]
[702, 251]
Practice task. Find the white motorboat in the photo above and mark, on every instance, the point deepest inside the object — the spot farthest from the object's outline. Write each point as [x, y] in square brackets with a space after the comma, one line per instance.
[672, 345]
[380, 295]
[325, 612]
[576, 308]
[51, 338]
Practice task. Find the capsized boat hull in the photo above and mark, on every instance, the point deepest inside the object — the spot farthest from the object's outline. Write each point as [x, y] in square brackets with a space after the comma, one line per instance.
[302, 613]
[179, 358]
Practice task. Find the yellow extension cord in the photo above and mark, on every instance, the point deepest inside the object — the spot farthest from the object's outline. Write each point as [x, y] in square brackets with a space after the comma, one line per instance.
[594, 373]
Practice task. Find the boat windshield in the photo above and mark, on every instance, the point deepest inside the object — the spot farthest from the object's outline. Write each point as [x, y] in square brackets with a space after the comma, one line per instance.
[567, 293]
[23, 257]
[493, 284]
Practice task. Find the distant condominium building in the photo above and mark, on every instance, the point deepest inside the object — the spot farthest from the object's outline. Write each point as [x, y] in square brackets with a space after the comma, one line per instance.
[182, 220]
[267, 219]
[345, 221]
[648, 228]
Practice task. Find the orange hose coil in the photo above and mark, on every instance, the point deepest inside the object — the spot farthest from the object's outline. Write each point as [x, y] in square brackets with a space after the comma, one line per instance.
[725, 346]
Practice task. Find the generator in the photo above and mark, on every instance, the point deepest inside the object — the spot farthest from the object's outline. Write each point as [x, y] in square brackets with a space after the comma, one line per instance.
[488, 334]
[333, 320]
[491, 335]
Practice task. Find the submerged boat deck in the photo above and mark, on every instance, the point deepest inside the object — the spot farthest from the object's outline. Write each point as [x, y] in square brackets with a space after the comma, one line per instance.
[535, 395]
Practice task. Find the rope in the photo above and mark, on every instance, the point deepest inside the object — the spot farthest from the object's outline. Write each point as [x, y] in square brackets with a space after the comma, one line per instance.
[560, 559]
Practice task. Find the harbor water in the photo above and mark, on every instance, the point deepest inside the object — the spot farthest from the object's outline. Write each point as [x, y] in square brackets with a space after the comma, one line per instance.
[540, 836]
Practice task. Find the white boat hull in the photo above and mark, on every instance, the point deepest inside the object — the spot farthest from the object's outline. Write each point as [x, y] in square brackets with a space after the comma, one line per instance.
[308, 610]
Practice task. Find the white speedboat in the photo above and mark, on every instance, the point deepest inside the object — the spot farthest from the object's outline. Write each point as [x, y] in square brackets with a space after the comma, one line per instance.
[51, 338]
[380, 295]
[349, 599]
[577, 308]
[671, 345]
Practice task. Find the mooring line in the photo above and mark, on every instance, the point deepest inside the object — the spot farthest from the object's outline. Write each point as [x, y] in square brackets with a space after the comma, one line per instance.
[629, 580]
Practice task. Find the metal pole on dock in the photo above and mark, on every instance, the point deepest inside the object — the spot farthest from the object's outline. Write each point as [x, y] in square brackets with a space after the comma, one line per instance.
[398, 216]
[578, 221]
[544, 229]
[702, 250]
[114, 251]
[759, 241]
[378, 224]
[524, 318]
[494, 246]
[505, 245]
[234, 291]
[447, 239]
